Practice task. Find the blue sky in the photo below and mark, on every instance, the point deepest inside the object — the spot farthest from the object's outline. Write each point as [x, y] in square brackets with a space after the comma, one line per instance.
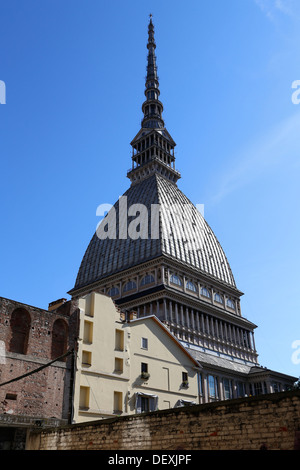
[74, 73]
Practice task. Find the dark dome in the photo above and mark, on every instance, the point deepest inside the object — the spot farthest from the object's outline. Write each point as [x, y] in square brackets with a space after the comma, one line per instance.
[183, 235]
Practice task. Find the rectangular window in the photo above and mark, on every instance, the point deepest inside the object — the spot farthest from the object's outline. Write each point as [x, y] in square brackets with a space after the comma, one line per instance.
[84, 399]
[144, 371]
[227, 389]
[88, 332]
[200, 384]
[86, 358]
[89, 305]
[212, 387]
[258, 390]
[145, 404]
[144, 343]
[184, 377]
[118, 365]
[118, 408]
[119, 341]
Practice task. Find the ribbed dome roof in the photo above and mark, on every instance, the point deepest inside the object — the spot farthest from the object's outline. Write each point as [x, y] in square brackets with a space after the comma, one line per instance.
[183, 235]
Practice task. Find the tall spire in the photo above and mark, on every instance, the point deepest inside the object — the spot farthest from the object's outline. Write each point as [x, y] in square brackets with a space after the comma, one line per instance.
[153, 146]
[152, 107]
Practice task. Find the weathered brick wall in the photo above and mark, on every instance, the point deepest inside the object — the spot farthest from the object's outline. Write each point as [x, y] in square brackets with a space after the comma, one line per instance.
[45, 393]
[272, 421]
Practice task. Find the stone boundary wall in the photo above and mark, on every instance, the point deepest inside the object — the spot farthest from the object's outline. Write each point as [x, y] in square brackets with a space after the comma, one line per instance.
[268, 421]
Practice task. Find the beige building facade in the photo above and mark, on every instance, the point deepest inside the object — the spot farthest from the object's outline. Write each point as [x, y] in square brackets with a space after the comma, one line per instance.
[128, 365]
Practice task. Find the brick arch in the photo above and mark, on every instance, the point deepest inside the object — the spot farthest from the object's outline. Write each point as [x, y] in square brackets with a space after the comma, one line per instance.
[59, 338]
[20, 326]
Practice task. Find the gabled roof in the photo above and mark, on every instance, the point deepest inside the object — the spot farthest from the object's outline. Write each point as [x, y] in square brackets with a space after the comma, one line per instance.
[169, 334]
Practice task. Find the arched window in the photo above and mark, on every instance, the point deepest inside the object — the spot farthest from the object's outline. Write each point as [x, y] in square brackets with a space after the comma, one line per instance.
[218, 298]
[205, 292]
[20, 326]
[191, 286]
[113, 291]
[130, 285]
[148, 279]
[59, 338]
[230, 304]
[175, 280]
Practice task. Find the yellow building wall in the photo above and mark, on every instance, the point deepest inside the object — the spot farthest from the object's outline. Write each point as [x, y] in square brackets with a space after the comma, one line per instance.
[97, 382]
[166, 363]
[108, 370]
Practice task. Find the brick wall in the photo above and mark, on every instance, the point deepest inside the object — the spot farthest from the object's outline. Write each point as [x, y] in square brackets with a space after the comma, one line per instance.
[29, 341]
[270, 421]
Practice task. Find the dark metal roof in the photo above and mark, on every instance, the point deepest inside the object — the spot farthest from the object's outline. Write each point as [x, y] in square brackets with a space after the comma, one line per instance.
[182, 234]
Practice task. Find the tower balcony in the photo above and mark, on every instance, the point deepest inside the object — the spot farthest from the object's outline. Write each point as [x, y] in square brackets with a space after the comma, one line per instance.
[151, 166]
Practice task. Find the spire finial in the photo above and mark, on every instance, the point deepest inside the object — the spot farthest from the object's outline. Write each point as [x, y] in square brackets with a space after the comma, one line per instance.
[152, 107]
[153, 146]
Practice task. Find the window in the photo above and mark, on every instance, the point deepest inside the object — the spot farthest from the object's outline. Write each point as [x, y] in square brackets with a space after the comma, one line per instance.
[119, 340]
[191, 286]
[84, 398]
[146, 402]
[148, 279]
[276, 387]
[174, 279]
[20, 325]
[89, 305]
[144, 371]
[185, 380]
[88, 332]
[212, 387]
[205, 292]
[218, 298]
[230, 304]
[113, 291]
[144, 343]
[130, 285]
[118, 408]
[118, 365]
[227, 389]
[258, 388]
[86, 358]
